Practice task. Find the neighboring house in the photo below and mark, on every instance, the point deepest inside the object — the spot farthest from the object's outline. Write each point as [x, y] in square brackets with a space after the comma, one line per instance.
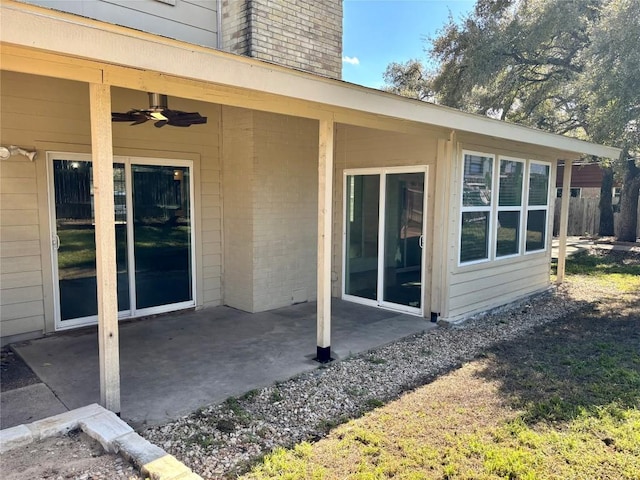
[586, 179]
[298, 188]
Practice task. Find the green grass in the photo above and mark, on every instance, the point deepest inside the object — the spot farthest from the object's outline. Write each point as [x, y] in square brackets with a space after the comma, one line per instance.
[561, 403]
[171, 243]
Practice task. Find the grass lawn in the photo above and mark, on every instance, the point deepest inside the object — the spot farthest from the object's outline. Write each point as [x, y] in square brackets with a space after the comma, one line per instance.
[561, 403]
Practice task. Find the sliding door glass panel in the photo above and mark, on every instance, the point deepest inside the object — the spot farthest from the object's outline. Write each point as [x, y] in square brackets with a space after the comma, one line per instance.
[404, 200]
[75, 228]
[162, 235]
[361, 259]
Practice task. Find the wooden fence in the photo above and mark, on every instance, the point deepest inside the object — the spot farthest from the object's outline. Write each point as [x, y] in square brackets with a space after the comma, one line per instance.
[584, 217]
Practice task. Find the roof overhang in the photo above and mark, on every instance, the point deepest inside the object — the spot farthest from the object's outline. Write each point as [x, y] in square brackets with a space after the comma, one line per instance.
[27, 26]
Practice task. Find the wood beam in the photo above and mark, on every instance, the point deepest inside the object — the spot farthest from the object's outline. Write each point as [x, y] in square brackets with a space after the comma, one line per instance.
[564, 220]
[102, 155]
[325, 199]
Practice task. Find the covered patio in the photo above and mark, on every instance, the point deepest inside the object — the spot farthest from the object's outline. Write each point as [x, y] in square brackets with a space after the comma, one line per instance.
[173, 364]
[276, 172]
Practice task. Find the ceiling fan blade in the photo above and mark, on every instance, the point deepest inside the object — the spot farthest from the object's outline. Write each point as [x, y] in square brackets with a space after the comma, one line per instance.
[177, 118]
[135, 116]
[122, 117]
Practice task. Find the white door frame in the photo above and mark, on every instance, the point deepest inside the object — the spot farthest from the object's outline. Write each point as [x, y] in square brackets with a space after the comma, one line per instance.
[379, 302]
[128, 161]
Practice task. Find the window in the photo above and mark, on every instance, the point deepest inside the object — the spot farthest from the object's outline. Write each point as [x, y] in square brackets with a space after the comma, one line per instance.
[575, 192]
[509, 207]
[537, 206]
[504, 214]
[477, 181]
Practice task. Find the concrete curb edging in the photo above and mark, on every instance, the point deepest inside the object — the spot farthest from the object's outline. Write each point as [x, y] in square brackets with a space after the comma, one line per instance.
[114, 434]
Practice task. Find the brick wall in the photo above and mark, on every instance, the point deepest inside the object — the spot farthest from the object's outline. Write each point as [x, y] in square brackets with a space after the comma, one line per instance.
[238, 180]
[301, 34]
[270, 216]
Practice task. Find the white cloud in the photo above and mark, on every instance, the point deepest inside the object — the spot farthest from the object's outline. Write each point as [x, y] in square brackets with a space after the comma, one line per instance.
[351, 60]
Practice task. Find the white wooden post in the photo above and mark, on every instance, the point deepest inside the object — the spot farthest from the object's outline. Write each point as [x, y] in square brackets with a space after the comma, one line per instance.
[102, 155]
[325, 198]
[564, 220]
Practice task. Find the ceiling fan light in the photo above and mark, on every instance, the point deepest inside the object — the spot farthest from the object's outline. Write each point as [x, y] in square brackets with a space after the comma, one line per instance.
[158, 116]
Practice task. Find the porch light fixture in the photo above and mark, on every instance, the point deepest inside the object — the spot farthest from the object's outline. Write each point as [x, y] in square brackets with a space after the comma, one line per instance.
[12, 150]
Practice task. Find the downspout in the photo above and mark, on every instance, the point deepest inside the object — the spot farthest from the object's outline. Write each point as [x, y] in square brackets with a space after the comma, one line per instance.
[219, 24]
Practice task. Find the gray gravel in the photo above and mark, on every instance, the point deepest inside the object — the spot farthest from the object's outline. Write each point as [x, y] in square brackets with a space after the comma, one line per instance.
[224, 440]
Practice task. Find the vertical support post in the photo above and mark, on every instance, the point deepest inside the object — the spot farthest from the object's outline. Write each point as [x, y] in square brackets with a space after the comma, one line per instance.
[102, 154]
[325, 199]
[439, 230]
[564, 220]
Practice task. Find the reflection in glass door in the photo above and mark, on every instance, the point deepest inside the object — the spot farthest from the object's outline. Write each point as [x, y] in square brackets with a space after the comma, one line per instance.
[75, 239]
[152, 215]
[403, 240]
[162, 235]
[361, 259]
[384, 240]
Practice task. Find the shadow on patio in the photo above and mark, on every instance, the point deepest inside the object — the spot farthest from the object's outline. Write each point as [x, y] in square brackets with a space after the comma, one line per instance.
[173, 364]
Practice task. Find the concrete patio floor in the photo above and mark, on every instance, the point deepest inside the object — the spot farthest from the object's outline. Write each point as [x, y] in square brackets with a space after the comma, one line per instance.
[173, 364]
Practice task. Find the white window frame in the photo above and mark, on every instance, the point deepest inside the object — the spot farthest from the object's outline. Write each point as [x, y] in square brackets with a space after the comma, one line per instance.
[520, 208]
[494, 209]
[490, 209]
[531, 208]
[382, 172]
[132, 312]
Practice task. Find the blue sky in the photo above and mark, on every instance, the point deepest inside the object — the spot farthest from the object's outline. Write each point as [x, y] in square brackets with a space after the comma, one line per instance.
[378, 32]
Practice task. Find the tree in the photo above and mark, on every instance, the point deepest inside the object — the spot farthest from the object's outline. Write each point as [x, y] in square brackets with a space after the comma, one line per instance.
[408, 79]
[613, 82]
[570, 67]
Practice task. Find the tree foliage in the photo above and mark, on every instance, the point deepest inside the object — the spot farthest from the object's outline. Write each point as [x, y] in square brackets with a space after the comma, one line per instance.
[567, 66]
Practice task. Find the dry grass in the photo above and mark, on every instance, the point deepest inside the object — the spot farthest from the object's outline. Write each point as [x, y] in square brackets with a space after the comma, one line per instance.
[561, 403]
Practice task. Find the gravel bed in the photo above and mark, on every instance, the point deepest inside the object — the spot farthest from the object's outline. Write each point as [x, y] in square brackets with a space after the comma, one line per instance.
[221, 441]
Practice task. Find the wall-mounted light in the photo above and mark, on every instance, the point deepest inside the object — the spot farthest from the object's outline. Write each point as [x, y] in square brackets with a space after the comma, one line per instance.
[11, 150]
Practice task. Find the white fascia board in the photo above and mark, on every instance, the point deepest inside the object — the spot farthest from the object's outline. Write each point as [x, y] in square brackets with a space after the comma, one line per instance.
[67, 34]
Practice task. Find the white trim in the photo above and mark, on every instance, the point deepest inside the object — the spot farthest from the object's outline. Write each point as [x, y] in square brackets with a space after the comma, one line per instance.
[132, 312]
[470, 209]
[71, 35]
[527, 209]
[520, 208]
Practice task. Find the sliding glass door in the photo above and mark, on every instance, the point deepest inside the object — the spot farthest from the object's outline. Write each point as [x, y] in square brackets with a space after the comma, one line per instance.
[154, 245]
[384, 238]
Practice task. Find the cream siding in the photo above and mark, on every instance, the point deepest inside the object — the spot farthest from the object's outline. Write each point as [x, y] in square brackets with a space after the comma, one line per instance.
[358, 147]
[490, 284]
[53, 115]
[21, 295]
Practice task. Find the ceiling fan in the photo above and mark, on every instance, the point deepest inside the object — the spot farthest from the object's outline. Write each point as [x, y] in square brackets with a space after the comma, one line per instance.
[160, 114]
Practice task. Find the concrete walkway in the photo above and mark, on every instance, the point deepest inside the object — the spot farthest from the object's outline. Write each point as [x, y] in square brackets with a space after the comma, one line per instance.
[173, 364]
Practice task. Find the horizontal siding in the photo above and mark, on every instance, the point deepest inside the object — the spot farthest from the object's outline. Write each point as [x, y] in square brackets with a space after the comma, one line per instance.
[190, 21]
[38, 111]
[20, 264]
[17, 185]
[10, 296]
[18, 217]
[21, 325]
[492, 289]
[19, 233]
